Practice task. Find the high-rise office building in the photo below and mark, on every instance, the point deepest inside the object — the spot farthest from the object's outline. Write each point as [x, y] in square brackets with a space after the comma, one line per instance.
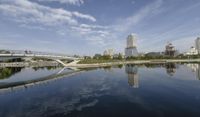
[131, 49]
[197, 44]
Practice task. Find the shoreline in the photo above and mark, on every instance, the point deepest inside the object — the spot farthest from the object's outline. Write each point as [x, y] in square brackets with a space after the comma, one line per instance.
[137, 62]
[25, 84]
[91, 65]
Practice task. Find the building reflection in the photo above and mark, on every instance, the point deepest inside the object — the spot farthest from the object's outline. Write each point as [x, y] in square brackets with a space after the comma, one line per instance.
[195, 68]
[170, 68]
[198, 72]
[133, 78]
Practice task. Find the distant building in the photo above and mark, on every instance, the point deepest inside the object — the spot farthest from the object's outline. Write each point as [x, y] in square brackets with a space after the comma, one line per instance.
[131, 49]
[192, 51]
[170, 50]
[197, 44]
[109, 52]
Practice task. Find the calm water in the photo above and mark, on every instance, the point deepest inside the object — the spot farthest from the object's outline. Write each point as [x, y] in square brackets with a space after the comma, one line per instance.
[170, 90]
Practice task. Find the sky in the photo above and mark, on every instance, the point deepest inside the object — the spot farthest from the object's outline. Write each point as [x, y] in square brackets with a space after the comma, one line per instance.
[86, 27]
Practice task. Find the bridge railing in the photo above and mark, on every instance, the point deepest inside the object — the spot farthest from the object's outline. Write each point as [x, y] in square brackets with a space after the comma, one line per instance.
[37, 55]
[32, 53]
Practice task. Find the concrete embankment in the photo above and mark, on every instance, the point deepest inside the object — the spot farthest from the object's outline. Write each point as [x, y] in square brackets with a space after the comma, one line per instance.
[53, 63]
[136, 62]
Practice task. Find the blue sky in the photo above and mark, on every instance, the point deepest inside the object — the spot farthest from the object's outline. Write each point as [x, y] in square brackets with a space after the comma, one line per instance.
[90, 26]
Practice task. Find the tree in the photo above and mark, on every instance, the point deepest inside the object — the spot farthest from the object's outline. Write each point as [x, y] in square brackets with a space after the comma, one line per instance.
[97, 56]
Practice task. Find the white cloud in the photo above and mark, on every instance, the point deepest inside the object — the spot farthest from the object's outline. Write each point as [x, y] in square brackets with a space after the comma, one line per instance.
[118, 31]
[91, 29]
[34, 16]
[68, 22]
[73, 2]
[125, 24]
[84, 16]
[96, 40]
[24, 11]
[93, 26]
[32, 27]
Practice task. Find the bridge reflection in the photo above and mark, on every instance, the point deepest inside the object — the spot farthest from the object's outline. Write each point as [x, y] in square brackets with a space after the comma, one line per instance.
[13, 86]
[130, 70]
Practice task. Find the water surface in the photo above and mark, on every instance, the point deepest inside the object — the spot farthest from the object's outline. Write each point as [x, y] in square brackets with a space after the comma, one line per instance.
[169, 90]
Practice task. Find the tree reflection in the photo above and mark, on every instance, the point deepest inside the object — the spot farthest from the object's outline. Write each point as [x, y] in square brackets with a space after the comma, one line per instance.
[133, 78]
[107, 68]
[7, 72]
[150, 65]
[42, 68]
[170, 68]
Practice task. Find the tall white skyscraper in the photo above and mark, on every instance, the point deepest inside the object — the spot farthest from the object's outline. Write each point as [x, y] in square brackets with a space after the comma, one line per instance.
[131, 41]
[131, 50]
[197, 44]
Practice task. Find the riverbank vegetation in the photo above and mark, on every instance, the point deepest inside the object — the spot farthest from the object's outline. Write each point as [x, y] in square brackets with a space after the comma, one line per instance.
[106, 59]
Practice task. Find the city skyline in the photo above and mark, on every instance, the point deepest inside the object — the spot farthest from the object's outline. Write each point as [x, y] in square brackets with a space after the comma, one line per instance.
[90, 26]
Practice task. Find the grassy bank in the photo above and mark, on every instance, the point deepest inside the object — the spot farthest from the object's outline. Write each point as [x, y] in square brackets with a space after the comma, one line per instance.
[98, 61]
[108, 59]
[93, 61]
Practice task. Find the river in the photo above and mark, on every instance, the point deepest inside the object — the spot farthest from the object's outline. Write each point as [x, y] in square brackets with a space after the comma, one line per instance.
[149, 90]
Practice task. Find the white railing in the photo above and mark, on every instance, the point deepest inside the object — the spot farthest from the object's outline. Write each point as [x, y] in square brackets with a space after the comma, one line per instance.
[38, 55]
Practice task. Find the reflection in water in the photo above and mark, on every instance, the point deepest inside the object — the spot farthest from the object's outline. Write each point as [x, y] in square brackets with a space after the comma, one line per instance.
[7, 72]
[48, 68]
[133, 78]
[195, 68]
[120, 66]
[107, 68]
[170, 68]
[89, 93]
[198, 72]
